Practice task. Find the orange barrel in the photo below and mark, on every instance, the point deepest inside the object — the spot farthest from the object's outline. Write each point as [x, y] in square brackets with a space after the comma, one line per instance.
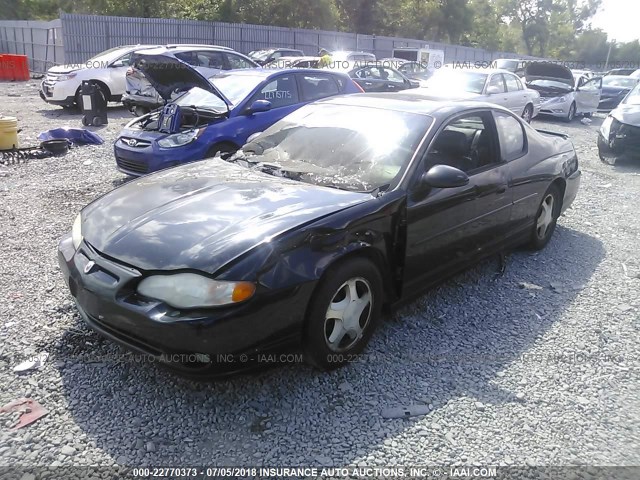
[4, 73]
[10, 66]
[23, 65]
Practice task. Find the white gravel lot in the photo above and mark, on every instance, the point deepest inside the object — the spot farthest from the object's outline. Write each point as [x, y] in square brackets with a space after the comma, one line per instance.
[512, 374]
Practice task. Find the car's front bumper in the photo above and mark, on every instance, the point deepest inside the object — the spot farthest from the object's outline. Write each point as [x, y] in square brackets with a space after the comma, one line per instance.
[554, 108]
[206, 342]
[60, 93]
[623, 143]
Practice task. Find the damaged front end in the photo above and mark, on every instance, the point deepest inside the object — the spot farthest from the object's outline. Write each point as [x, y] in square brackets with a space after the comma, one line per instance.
[618, 140]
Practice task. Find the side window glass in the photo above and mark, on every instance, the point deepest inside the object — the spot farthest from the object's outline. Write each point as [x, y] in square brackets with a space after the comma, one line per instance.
[188, 57]
[496, 81]
[315, 87]
[126, 59]
[280, 92]
[513, 84]
[465, 143]
[392, 76]
[511, 136]
[211, 60]
[236, 62]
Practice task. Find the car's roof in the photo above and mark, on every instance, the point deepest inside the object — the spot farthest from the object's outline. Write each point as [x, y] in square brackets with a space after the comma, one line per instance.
[407, 102]
[480, 70]
[267, 72]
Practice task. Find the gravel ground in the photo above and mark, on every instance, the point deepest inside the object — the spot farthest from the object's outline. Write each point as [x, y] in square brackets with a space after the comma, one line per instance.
[539, 366]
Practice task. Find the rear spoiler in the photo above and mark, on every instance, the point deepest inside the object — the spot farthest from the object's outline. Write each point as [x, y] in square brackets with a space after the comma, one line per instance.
[555, 134]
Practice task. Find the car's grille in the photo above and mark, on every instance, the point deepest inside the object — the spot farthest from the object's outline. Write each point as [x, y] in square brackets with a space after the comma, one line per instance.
[132, 165]
[631, 136]
[134, 142]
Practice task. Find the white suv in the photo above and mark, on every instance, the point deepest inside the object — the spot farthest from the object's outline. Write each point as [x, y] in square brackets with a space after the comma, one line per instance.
[61, 85]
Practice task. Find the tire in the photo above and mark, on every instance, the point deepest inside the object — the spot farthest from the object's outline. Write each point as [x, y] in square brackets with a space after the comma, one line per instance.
[327, 344]
[546, 218]
[140, 111]
[527, 113]
[572, 113]
[225, 150]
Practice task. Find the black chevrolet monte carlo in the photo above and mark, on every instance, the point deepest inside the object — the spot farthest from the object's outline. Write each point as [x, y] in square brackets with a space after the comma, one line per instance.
[300, 238]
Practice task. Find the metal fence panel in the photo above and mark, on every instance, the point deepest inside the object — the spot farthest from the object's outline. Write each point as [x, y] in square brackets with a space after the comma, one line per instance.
[75, 38]
[40, 41]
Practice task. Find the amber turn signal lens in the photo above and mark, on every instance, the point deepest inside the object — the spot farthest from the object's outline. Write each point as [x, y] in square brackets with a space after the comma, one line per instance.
[243, 291]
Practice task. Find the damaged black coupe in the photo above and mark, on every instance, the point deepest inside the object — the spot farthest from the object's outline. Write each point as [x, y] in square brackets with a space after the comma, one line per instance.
[619, 136]
[300, 238]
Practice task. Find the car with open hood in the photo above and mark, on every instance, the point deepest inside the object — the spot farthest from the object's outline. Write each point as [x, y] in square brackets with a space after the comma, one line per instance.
[484, 85]
[619, 135]
[61, 84]
[614, 89]
[141, 97]
[205, 117]
[299, 239]
[562, 94]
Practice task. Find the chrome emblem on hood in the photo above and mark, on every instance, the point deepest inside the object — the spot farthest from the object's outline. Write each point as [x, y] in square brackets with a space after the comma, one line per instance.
[132, 142]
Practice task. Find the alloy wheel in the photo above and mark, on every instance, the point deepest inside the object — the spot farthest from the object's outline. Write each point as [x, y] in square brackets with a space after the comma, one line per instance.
[348, 314]
[545, 218]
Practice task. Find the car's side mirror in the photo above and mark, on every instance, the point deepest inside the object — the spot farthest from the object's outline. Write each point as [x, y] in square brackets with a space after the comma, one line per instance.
[259, 106]
[444, 176]
[492, 90]
[117, 63]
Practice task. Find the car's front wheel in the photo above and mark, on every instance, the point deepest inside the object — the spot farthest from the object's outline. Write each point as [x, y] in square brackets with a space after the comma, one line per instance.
[343, 313]
[527, 114]
[572, 113]
[546, 218]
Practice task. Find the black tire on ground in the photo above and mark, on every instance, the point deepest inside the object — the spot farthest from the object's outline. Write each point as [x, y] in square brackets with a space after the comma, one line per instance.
[541, 234]
[225, 149]
[527, 113]
[329, 343]
[572, 113]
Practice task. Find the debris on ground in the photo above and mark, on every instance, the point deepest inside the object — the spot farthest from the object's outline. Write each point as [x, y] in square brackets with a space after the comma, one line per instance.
[32, 363]
[29, 411]
[405, 412]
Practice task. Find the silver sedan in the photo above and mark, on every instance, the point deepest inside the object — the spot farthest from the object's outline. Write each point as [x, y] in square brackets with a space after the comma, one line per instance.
[484, 85]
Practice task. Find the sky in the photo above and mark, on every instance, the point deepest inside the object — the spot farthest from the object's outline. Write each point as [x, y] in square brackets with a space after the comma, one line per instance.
[619, 18]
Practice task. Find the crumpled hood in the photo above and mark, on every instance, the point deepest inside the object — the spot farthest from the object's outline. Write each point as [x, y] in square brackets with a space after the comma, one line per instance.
[167, 73]
[627, 113]
[203, 215]
[548, 71]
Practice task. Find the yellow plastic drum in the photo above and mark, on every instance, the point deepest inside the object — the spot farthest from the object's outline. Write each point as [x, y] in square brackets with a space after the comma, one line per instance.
[8, 133]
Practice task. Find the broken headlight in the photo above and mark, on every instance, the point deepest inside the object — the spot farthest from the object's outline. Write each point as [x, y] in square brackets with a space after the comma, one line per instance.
[607, 126]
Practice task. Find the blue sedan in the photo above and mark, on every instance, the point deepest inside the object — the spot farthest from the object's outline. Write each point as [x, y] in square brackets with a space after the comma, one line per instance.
[203, 118]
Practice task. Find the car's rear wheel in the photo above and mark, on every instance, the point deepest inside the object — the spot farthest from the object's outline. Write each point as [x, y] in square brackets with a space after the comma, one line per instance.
[224, 149]
[546, 218]
[572, 113]
[527, 114]
[343, 313]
